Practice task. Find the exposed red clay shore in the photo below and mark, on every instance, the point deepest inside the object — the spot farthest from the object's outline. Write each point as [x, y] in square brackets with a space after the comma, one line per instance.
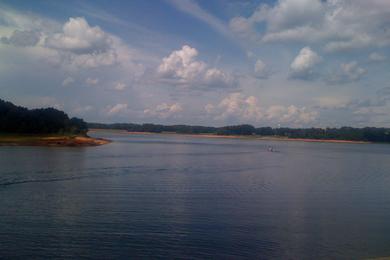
[268, 138]
[54, 141]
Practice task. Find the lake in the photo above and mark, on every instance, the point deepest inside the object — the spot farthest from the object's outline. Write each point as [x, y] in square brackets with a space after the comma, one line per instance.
[172, 196]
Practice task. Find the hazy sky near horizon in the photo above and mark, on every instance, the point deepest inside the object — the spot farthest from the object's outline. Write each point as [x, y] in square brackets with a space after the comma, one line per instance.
[297, 63]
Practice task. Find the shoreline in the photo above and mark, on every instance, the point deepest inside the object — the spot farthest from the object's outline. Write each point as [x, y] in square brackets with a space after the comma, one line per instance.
[51, 141]
[253, 137]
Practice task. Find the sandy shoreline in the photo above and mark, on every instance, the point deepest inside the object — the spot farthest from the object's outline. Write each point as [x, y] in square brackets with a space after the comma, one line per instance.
[265, 138]
[52, 141]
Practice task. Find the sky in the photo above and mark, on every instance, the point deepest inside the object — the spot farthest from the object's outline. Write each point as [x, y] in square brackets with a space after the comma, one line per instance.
[294, 63]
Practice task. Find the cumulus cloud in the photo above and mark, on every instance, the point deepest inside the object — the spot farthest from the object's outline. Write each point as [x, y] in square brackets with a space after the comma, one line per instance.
[117, 109]
[209, 108]
[67, 81]
[352, 71]
[237, 107]
[283, 20]
[43, 52]
[218, 78]
[327, 102]
[372, 111]
[338, 24]
[22, 38]
[303, 64]
[183, 67]
[250, 54]
[79, 49]
[115, 54]
[357, 42]
[93, 60]
[348, 72]
[261, 70]
[181, 64]
[77, 45]
[164, 110]
[120, 86]
[92, 81]
[291, 114]
[374, 56]
[78, 36]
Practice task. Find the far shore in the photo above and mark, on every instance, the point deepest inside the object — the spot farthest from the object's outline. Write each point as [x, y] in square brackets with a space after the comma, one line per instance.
[265, 138]
[50, 140]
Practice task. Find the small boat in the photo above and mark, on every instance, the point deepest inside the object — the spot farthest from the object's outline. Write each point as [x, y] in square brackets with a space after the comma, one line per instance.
[270, 149]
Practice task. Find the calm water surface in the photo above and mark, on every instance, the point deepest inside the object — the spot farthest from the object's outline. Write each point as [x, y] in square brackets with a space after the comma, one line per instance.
[146, 196]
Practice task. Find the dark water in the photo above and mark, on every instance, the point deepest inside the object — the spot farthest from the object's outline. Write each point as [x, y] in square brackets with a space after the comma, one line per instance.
[150, 196]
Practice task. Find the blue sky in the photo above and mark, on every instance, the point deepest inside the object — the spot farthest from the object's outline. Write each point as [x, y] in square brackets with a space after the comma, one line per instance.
[298, 63]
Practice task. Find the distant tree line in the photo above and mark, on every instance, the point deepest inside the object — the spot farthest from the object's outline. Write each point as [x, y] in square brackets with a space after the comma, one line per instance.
[370, 134]
[16, 119]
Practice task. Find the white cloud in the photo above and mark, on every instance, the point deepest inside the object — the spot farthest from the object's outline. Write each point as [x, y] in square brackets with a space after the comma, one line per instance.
[261, 70]
[120, 86]
[67, 81]
[328, 102]
[75, 46]
[93, 60]
[352, 71]
[282, 20]
[22, 38]
[356, 42]
[216, 77]
[233, 106]
[92, 81]
[26, 21]
[372, 111]
[182, 67]
[76, 49]
[78, 36]
[291, 114]
[192, 8]
[374, 56]
[242, 27]
[303, 64]
[164, 110]
[287, 14]
[348, 72]
[239, 108]
[337, 24]
[40, 54]
[250, 54]
[209, 108]
[117, 109]
[26, 50]
[116, 53]
[181, 64]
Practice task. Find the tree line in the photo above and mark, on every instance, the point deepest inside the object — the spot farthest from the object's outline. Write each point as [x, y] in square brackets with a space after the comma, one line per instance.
[370, 134]
[17, 119]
